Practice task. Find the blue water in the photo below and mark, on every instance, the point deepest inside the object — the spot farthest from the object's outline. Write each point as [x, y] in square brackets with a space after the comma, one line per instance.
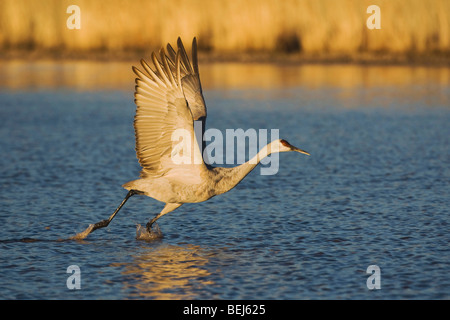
[375, 191]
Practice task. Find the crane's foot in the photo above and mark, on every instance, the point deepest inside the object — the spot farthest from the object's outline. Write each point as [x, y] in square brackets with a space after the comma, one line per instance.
[144, 233]
[84, 234]
[92, 227]
[150, 224]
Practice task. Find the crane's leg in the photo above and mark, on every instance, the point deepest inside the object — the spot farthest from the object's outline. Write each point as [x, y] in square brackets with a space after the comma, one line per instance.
[169, 207]
[104, 223]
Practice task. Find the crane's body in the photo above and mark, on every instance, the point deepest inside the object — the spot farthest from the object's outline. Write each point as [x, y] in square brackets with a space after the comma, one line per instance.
[210, 182]
[167, 190]
[169, 98]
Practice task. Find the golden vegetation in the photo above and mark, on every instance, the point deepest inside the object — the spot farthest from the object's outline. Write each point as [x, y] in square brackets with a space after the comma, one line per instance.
[309, 27]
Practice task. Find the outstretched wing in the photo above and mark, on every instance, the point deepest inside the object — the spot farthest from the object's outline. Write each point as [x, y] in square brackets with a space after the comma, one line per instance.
[192, 87]
[164, 126]
[190, 78]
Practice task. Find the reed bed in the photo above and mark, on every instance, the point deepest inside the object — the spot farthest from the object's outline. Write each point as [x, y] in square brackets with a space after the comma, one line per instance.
[310, 27]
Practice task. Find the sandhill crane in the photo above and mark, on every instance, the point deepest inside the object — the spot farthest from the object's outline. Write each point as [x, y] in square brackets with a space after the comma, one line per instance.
[168, 98]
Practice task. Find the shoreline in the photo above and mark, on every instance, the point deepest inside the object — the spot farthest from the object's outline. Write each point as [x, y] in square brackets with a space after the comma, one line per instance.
[279, 58]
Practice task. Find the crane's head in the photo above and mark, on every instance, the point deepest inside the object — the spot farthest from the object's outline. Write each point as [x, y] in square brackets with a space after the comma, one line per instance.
[284, 146]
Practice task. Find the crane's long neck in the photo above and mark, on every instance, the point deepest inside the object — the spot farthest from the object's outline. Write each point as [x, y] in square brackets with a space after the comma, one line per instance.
[232, 176]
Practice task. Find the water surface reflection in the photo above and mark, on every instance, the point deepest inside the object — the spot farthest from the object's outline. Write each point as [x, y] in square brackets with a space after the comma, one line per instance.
[95, 75]
[166, 272]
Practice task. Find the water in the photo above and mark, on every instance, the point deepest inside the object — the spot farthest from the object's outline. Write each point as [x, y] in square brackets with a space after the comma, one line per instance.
[373, 192]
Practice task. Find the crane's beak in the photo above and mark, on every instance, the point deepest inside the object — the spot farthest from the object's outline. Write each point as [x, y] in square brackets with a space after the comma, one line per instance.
[300, 150]
[287, 144]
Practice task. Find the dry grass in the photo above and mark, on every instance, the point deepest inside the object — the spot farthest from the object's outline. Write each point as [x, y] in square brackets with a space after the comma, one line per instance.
[309, 27]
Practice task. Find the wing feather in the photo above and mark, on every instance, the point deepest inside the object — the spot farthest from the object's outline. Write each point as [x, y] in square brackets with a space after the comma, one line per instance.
[153, 75]
[160, 70]
[161, 110]
[184, 56]
[190, 78]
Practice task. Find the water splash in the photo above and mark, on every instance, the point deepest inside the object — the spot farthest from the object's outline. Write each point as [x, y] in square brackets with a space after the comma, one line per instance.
[143, 234]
